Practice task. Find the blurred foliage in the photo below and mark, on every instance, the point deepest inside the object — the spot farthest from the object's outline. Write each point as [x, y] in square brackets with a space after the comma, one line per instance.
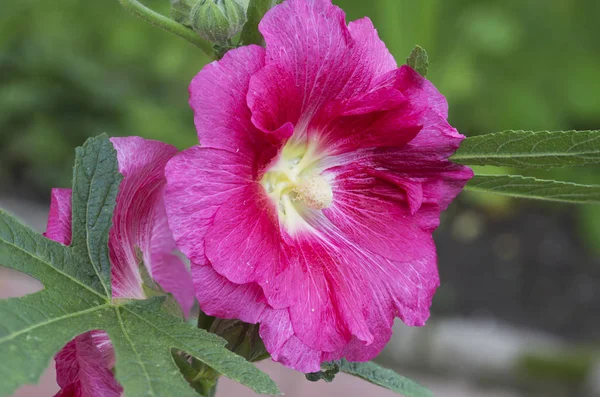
[71, 69]
[571, 366]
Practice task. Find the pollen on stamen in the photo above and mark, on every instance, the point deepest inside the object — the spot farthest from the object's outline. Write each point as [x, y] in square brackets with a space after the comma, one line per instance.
[314, 192]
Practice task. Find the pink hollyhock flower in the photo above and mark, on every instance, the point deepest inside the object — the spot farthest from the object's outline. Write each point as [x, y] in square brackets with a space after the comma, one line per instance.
[310, 206]
[140, 234]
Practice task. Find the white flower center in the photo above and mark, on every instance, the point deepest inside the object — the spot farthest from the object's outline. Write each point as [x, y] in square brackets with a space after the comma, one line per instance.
[296, 185]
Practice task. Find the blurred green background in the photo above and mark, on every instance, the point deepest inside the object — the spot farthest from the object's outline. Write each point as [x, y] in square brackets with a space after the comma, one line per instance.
[70, 69]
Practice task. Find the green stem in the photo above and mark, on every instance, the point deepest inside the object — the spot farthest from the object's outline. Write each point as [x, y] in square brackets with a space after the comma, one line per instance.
[156, 19]
[211, 391]
[205, 321]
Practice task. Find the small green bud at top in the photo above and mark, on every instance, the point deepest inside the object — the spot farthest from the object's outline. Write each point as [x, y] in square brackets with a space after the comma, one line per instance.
[218, 20]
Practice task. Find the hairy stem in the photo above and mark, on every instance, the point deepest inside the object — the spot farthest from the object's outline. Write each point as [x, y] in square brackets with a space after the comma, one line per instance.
[167, 24]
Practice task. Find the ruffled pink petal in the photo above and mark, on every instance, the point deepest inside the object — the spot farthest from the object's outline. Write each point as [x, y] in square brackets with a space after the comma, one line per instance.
[224, 299]
[275, 330]
[306, 41]
[370, 292]
[278, 335]
[380, 118]
[370, 120]
[200, 181]
[218, 98]
[422, 165]
[415, 87]
[380, 290]
[371, 102]
[243, 242]
[326, 82]
[321, 284]
[166, 267]
[381, 319]
[312, 59]
[138, 217]
[350, 274]
[295, 354]
[221, 298]
[84, 367]
[370, 55]
[59, 217]
[274, 98]
[373, 210]
[419, 88]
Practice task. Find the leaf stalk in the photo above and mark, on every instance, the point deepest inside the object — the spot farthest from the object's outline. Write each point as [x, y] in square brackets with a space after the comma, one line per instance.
[167, 24]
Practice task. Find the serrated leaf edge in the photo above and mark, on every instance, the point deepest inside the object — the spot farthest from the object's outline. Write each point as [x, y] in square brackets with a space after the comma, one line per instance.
[478, 179]
[66, 249]
[464, 158]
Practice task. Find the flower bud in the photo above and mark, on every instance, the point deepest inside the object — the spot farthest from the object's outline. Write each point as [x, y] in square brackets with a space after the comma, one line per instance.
[181, 11]
[218, 20]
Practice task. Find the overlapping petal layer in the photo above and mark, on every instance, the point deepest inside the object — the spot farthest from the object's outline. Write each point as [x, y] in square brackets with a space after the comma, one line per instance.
[83, 367]
[324, 282]
[140, 236]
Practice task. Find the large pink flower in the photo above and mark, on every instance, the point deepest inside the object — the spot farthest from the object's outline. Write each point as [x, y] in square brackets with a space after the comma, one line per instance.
[310, 206]
[140, 234]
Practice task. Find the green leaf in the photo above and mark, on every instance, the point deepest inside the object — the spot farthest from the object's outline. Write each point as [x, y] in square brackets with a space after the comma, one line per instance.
[383, 377]
[327, 373]
[527, 149]
[256, 11]
[419, 60]
[76, 299]
[532, 188]
[96, 182]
